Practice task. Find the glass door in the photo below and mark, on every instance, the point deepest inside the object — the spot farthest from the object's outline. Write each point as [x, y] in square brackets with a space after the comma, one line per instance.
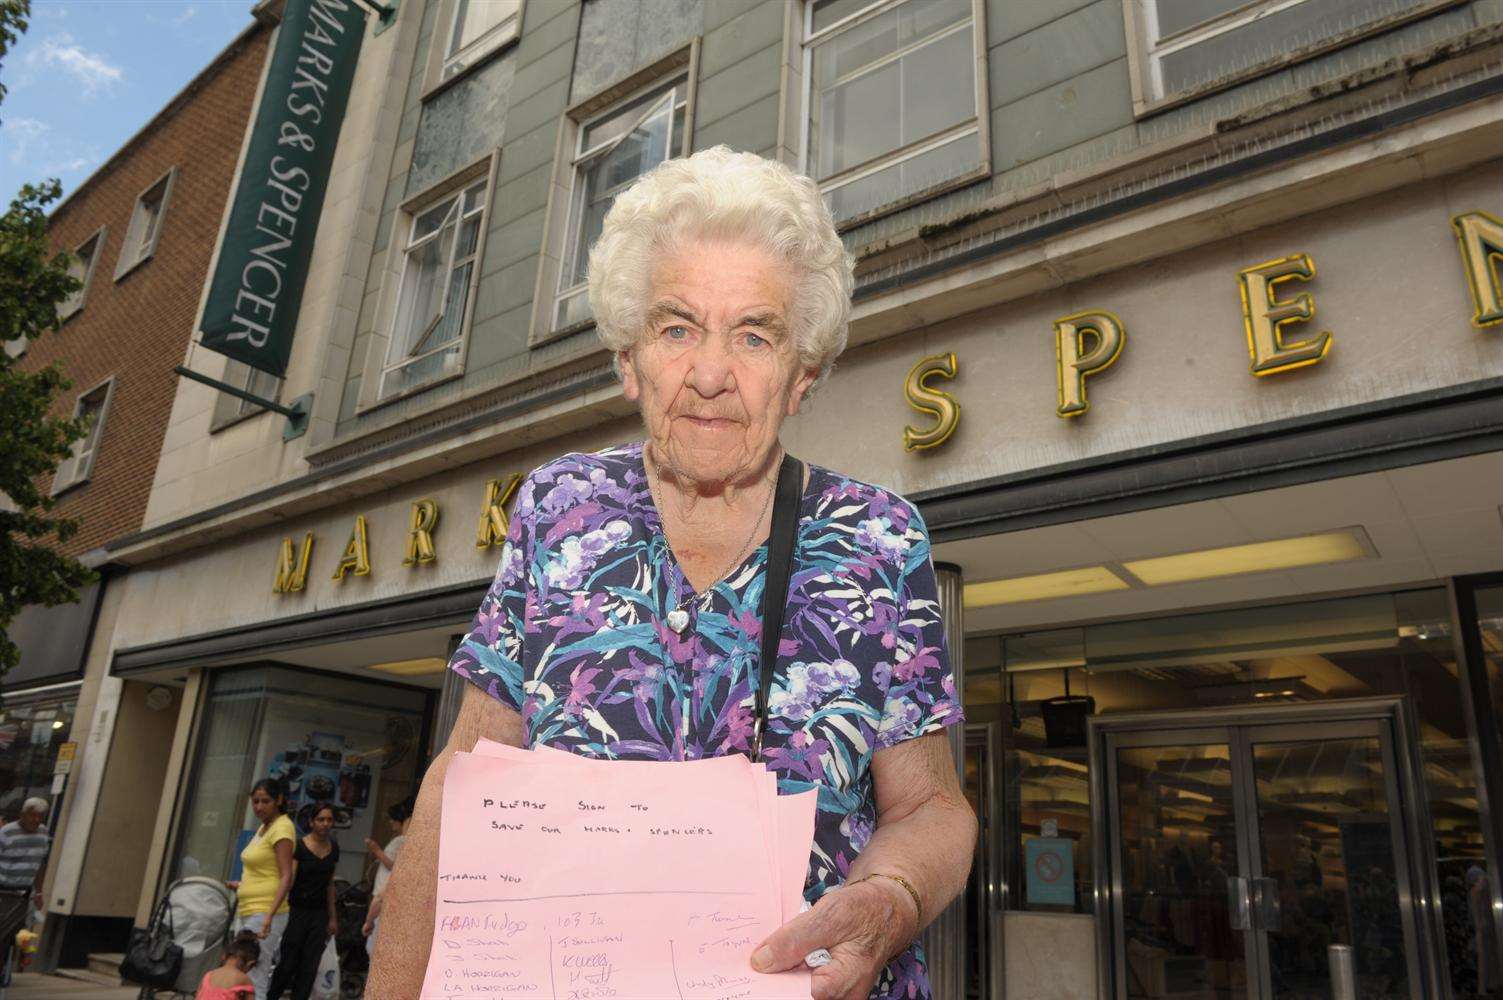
[1248, 861]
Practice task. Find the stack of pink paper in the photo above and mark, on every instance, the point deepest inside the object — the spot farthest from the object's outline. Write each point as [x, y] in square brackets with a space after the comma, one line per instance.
[577, 879]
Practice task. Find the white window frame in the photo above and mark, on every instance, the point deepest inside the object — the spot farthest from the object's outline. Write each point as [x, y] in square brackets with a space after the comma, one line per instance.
[378, 361]
[75, 303]
[681, 67]
[1145, 49]
[442, 70]
[134, 249]
[979, 125]
[76, 469]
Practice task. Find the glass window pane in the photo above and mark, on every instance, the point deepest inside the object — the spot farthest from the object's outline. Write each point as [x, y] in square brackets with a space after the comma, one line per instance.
[364, 757]
[474, 18]
[863, 113]
[421, 289]
[1176, 15]
[429, 221]
[827, 12]
[908, 177]
[619, 122]
[1254, 43]
[30, 735]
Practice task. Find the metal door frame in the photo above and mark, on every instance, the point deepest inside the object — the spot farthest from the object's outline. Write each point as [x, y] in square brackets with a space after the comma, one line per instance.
[1177, 727]
[988, 914]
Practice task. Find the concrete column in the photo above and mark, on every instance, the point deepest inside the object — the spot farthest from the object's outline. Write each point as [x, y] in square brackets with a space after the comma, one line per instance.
[944, 941]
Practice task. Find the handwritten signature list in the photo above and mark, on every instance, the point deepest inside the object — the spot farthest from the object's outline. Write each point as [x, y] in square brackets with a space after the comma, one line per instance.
[569, 878]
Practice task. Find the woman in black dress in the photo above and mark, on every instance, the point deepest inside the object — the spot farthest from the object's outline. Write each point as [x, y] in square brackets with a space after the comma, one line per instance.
[313, 918]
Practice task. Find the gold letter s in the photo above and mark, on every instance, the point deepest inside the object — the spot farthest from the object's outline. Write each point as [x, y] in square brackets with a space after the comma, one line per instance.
[931, 401]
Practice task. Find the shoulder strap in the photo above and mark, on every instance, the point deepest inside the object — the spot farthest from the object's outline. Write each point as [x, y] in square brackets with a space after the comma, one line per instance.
[780, 541]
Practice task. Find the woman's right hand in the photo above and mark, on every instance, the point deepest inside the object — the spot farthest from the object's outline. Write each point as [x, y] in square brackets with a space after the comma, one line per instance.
[366, 928]
[233, 885]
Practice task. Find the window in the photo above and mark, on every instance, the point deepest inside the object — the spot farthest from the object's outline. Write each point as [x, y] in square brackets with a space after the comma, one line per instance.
[145, 225]
[478, 28]
[443, 245]
[82, 268]
[232, 409]
[91, 407]
[894, 100]
[1188, 47]
[611, 151]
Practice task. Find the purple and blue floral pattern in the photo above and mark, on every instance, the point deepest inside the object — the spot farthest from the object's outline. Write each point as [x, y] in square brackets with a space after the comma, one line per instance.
[572, 634]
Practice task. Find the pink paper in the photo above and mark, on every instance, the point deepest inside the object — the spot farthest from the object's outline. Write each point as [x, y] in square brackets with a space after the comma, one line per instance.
[559, 878]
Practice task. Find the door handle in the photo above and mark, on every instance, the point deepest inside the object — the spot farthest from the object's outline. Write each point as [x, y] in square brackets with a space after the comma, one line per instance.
[1238, 903]
[1265, 903]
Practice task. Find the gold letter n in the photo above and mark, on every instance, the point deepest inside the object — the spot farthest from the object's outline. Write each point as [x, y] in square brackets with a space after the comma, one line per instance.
[1481, 239]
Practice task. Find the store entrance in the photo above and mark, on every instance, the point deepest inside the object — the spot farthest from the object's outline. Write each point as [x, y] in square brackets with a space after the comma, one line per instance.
[1251, 854]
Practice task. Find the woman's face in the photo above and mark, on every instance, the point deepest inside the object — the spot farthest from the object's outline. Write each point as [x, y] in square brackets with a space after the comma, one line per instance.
[716, 370]
[263, 805]
[322, 823]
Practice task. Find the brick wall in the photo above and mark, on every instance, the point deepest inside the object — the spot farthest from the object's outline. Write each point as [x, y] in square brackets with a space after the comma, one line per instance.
[135, 330]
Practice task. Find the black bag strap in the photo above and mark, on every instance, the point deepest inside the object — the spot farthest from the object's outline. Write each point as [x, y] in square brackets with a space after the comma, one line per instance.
[780, 541]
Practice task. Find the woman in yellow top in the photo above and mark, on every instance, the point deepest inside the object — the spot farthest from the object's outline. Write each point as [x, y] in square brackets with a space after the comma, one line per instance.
[266, 878]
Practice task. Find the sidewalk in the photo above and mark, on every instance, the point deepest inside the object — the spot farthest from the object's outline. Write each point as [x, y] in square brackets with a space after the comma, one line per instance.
[35, 986]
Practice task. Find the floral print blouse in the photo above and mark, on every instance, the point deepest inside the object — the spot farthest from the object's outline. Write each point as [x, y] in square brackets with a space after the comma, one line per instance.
[573, 635]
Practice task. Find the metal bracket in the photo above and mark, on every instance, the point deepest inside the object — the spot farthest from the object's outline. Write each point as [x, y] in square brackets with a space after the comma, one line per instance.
[296, 413]
[386, 13]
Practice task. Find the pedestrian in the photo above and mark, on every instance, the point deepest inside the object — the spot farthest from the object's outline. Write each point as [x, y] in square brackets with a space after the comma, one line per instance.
[386, 859]
[23, 865]
[232, 981]
[266, 878]
[313, 919]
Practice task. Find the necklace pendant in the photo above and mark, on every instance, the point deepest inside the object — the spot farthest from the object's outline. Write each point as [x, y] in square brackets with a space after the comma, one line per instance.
[678, 620]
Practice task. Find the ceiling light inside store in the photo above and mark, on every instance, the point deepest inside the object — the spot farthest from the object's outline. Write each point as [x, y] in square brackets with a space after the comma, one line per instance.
[1043, 586]
[1257, 557]
[412, 668]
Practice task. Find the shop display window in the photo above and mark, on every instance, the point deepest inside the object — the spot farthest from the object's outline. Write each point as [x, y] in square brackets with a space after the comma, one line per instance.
[357, 744]
[1050, 682]
[30, 734]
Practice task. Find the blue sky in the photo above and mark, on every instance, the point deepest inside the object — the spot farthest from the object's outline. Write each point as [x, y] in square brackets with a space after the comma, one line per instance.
[88, 74]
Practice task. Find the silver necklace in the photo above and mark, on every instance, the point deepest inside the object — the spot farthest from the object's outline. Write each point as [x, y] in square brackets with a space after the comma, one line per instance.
[678, 618]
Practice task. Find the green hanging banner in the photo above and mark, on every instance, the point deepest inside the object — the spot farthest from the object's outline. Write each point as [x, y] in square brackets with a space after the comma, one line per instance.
[257, 285]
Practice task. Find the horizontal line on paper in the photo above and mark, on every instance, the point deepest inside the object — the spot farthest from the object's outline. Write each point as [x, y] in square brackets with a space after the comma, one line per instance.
[621, 892]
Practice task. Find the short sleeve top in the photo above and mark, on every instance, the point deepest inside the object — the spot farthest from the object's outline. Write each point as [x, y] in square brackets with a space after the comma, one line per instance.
[310, 889]
[573, 634]
[260, 876]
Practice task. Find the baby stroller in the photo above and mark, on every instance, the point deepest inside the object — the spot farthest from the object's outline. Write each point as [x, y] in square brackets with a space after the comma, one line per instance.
[197, 912]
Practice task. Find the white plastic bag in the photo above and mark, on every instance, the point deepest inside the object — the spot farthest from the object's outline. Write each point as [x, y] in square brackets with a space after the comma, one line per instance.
[326, 983]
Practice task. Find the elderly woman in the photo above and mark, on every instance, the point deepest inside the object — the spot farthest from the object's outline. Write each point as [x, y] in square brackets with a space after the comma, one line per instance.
[624, 618]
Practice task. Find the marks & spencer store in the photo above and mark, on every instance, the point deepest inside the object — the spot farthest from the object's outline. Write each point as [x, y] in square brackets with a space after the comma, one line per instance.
[1214, 489]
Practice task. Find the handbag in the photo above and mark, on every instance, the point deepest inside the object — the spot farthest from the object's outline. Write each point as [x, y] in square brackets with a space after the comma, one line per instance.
[151, 957]
[780, 541]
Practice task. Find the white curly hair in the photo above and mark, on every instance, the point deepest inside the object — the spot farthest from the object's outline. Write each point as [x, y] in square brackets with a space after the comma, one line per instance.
[721, 194]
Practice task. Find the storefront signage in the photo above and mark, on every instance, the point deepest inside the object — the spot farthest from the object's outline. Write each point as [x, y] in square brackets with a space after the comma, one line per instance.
[1076, 361]
[931, 402]
[252, 307]
[1089, 342]
[1481, 239]
[423, 518]
[65, 754]
[1051, 870]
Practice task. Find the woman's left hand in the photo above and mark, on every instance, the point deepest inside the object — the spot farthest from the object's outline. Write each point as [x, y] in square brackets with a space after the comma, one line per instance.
[265, 928]
[861, 925]
[333, 927]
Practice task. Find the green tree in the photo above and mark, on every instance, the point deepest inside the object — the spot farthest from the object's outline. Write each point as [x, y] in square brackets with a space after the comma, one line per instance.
[33, 283]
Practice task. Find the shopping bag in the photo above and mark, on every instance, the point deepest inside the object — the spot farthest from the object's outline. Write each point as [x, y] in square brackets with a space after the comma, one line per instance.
[326, 983]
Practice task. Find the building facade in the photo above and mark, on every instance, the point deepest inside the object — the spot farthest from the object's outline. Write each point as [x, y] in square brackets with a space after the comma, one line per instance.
[142, 229]
[1178, 323]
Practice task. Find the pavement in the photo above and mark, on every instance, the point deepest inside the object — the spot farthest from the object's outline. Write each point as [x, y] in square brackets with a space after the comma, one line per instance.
[35, 986]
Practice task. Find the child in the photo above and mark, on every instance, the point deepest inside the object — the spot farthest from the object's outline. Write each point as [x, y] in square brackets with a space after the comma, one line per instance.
[229, 981]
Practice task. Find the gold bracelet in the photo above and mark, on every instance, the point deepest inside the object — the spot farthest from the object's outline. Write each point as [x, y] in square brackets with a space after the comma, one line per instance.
[907, 886]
